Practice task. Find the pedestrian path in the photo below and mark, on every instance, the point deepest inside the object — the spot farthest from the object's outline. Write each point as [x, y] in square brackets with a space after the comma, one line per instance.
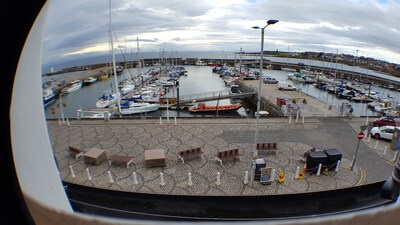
[207, 176]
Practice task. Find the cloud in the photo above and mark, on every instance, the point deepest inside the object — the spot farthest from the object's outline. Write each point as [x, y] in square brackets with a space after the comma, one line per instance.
[81, 28]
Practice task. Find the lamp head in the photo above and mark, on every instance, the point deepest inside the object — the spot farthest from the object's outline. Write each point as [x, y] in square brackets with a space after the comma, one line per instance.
[256, 27]
[269, 22]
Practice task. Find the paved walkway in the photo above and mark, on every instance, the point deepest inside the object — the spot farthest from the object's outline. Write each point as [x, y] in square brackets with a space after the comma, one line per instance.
[133, 137]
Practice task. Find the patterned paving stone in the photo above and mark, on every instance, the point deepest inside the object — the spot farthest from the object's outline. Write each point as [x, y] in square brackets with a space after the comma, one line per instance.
[212, 135]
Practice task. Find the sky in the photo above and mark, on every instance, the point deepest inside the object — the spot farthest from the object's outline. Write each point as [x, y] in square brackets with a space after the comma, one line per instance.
[80, 28]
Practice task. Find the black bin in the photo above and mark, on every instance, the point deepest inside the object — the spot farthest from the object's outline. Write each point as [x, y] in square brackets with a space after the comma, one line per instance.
[314, 158]
[334, 155]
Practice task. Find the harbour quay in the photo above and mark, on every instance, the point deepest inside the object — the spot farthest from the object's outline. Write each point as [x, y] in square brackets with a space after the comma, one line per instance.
[134, 137]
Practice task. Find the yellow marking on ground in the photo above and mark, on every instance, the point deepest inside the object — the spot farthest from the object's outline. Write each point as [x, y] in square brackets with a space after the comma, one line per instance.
[362, 178]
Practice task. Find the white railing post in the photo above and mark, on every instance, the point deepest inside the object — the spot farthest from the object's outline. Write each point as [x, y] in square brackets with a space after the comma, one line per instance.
[218, 178]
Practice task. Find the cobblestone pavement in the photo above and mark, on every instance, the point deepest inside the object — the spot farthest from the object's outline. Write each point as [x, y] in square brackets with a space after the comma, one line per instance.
[133, 137]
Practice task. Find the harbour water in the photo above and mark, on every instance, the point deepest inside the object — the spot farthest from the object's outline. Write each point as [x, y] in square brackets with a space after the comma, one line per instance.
[200, 79]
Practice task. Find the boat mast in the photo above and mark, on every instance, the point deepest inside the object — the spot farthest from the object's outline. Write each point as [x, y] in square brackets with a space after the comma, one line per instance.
[113, 62]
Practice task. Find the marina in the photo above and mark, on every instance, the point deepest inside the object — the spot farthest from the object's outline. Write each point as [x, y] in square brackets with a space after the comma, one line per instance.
[191, 88]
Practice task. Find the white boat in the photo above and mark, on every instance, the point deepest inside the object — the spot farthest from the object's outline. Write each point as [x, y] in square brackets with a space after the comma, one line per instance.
[48, 96]
[127, 88]
[106, 99]
[73, 86]
[131, 107]
[287, 69]
[90, 80]
[200, 63]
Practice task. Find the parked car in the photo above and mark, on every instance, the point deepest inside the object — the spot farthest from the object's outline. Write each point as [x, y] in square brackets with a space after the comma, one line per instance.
[270, 80]
[384, 132]
[285, 86]
[384, 121]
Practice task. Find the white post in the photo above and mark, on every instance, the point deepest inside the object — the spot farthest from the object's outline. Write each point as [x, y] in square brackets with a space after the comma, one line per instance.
[337, 166]
[67, 121]
[135, 181]
[296, 176]
[396, 154]
[167, 111]
[72, 172]
[297, 116]
[162, 182]
[218, 178]
[376, 144]
[190, 183]
[384, 151]
[246, 177]
[160, 121]
[110, 177]
[175, 120]
[59, 122]
[273, 175]
[290, 119]
[302, 120]
[88, 174]
[319, 169]
[369, 139]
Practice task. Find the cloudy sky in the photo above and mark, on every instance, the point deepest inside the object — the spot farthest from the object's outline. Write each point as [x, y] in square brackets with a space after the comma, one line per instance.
[77, 29]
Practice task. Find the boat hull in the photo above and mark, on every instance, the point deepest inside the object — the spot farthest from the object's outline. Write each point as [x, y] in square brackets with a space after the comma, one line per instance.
[210, 109]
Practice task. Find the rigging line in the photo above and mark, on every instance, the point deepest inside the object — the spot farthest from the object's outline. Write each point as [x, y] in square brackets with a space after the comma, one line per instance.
[123, 55]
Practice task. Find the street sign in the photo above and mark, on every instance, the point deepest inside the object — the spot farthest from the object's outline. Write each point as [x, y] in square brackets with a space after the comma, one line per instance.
[360, 135]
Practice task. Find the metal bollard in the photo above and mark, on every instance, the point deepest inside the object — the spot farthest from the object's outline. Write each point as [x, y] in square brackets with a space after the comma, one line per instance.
[59, 122]
[190, 183]
[67, 122]
[175, 120]
[135, 181]
[162, 182]
[218, 178]
[72, 172]
[246, 177]
[110, 177]
[384, 151]
[376, 144]
[296, 176]
[302, 120]
[160, 121]
[337, 166]
[290, 119]
[319, 169]
[396, 155]
[369, 139]
[273, 175]
[88, 174]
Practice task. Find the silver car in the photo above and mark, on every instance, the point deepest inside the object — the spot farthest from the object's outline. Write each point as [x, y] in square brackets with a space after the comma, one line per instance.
[270, 80]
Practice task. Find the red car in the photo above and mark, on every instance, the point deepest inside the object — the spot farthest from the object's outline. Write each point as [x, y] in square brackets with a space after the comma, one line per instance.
[384, 121]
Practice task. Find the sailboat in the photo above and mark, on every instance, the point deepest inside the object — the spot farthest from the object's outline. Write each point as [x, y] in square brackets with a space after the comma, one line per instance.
[110, 97]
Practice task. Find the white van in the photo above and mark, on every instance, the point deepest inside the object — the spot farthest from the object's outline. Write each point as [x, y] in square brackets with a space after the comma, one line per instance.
[285, 86]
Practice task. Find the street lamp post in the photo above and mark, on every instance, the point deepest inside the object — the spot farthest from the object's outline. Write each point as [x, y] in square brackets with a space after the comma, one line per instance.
[269, 22]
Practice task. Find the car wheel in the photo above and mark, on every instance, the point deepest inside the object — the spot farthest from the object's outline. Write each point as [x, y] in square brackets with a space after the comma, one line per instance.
[377, 136]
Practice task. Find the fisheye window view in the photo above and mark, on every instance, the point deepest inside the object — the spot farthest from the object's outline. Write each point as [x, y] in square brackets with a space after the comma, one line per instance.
[262, 111]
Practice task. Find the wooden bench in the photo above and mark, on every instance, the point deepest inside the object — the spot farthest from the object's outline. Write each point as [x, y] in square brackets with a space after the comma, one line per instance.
[76, 152]
[268, 147]
[228, 154]
[120, 159]
[182, 155]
